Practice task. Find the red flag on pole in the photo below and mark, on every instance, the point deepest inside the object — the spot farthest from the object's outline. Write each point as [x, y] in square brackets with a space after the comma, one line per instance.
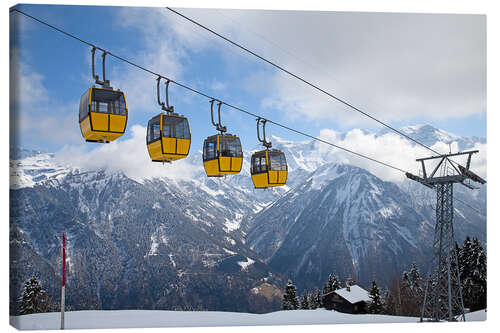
[63, 259]
[63, 282]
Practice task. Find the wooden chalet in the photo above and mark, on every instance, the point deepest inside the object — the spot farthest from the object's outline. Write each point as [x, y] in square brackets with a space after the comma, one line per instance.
[351, 299]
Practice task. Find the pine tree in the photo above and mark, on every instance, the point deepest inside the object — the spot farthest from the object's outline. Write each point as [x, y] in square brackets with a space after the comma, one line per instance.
[290, 301]
[465, 259]
[411, 292]
[34, 298]
[375, 305]
[416, 281]
[313, 304]
[304, 302]
[472, 270]
[336, 283]
[319, 299]
[329, 283]
[465, 268]
[325, 289]
[478, 277]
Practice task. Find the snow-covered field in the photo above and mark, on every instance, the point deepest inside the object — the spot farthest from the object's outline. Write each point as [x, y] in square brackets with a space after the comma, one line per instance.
[146, 319]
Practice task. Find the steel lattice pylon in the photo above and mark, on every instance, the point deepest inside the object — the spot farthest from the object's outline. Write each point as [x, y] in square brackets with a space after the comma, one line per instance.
[443, 292]
[443, 295]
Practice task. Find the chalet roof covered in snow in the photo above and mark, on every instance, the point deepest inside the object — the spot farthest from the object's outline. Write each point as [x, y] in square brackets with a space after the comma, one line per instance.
[355, 295]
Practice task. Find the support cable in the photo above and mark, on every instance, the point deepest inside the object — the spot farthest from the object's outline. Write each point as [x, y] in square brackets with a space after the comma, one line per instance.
[471, 207]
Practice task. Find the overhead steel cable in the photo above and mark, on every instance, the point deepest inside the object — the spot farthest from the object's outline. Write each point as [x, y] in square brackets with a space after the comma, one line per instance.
[208, 96]
[471, 207]
[301, 79]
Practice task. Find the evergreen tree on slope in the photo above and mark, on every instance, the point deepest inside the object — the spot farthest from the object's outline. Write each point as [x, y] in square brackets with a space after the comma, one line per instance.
[290, 300]
[478, 277]
[336, 283]
[313, 304]
[304, 302]
[319, 300]
[415, 281]
[34, 298]
[411, 292]
[329, 284]
[472, 269]
[375, 305]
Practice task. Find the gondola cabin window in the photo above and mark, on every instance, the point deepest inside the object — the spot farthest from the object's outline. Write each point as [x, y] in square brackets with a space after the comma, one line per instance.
[230, 146]
[104, 101]
[175, 127]
[277, 162]
[259, 164]
[182, 129]
[154, 130]
[210, 149]
[84, 106]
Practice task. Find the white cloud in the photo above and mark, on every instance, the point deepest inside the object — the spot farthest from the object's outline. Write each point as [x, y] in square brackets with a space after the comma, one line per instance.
[35, 113]
[129, 156]
[394, 66]
[167, 44]
[158, 51]
[391, 149]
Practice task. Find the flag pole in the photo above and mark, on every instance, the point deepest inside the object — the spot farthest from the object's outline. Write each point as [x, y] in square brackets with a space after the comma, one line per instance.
[63, 282]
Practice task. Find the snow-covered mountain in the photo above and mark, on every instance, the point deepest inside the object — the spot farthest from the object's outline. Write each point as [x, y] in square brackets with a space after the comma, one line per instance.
[341, 218]
[212, 243]
[29, 167]
[155, 244]
[344, 219]
[429, 135]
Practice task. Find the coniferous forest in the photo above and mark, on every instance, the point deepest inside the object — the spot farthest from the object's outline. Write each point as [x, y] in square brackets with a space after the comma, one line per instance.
[405, 293]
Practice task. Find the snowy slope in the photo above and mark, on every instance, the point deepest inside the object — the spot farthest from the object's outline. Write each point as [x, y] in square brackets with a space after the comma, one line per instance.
[137, 318]
[149, 319]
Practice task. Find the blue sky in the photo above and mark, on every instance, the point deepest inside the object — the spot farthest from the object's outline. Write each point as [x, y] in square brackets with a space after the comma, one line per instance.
[55, 70]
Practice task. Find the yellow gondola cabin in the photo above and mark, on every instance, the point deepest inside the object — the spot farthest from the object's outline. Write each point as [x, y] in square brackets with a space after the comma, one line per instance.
[222, 155]
[168, 137]
[268, 168]
[103, 114]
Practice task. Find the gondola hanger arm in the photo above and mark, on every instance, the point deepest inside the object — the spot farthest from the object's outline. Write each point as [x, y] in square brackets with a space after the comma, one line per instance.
[160, 103]
[169, 108]
[217, 125]
[220, 128]
[166, 108]
[264, 142]
[104, 83]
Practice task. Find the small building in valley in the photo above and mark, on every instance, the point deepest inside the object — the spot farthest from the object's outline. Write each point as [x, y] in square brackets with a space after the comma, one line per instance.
[351, 299]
